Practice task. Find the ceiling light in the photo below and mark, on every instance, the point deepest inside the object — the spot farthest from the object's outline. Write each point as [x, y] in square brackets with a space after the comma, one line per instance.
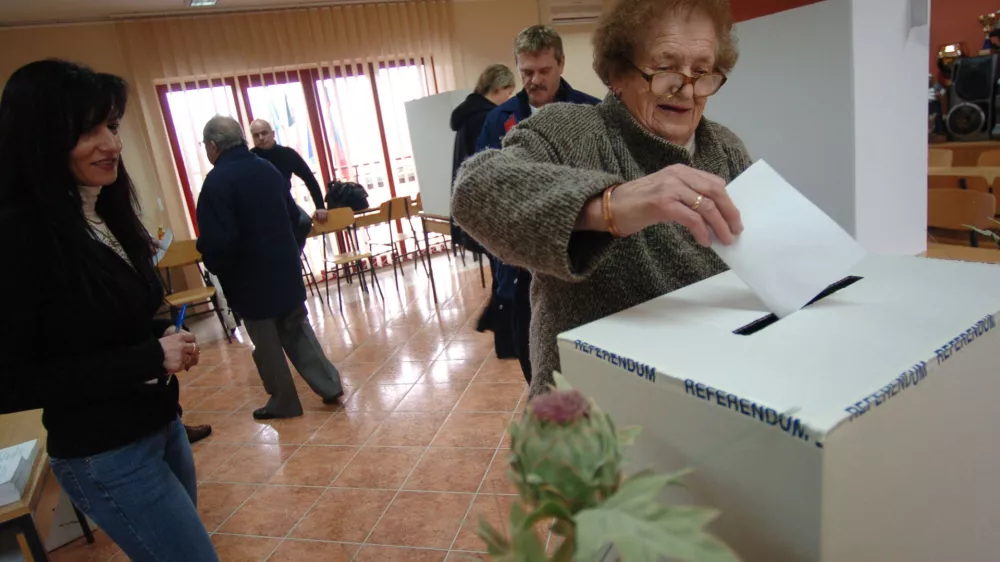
[201, 3]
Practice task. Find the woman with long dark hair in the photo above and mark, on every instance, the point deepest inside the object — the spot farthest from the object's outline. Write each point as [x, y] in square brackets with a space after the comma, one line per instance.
[77, 337]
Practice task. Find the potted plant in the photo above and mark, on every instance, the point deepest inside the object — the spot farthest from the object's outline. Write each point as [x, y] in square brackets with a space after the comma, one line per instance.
[566, 461]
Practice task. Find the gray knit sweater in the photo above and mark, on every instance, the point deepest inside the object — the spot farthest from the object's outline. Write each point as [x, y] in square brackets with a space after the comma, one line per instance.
[522, 203]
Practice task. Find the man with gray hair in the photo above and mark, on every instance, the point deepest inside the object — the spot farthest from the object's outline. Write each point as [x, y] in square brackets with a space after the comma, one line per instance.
[538, 51]
[246, 215]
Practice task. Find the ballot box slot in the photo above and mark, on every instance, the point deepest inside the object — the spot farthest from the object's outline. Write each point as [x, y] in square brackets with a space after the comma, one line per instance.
[763, 322]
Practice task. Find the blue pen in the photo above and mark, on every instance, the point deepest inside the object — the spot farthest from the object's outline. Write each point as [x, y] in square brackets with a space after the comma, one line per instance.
[180, 319]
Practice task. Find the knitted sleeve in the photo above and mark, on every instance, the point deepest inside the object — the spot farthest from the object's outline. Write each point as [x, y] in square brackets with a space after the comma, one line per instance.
[522, 202]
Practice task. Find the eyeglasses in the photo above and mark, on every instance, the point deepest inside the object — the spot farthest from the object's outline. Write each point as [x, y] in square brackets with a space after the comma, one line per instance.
[666, 83]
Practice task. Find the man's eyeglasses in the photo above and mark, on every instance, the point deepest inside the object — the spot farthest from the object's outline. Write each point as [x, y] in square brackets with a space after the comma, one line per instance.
[666, 83]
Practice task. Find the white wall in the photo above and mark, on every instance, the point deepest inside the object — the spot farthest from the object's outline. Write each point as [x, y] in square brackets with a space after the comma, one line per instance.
[890, 125]
[579, 71]
[791, 99]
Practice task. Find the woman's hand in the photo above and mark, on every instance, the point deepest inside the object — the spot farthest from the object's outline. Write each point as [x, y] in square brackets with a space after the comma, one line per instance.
[678, 193]
[180, 352]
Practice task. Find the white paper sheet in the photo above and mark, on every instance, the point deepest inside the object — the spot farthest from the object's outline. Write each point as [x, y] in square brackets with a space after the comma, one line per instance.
[168, 238]
[790, 250]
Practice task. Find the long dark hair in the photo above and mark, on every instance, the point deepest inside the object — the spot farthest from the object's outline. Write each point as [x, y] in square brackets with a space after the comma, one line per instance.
[45, 108]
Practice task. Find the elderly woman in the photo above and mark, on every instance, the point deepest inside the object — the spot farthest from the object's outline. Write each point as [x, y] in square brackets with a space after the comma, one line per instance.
[613, 205]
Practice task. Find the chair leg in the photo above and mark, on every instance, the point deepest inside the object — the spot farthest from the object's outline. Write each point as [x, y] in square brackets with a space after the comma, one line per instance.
[307, 272]
[222, 321]
[326, 276]
[430, 271]
[482, 274]
[84, 525]
[375, 280]
[340, 295]
[361, 276]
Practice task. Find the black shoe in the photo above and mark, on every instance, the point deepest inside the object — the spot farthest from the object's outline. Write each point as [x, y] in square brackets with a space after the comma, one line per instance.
[264, 414]
[335, 399]
[196, 433]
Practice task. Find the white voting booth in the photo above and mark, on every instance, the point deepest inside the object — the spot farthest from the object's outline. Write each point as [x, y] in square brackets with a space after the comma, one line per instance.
[433, 144]
[861, 428]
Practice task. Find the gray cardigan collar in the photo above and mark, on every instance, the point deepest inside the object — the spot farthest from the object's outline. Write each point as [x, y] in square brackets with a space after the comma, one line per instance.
[653, 153]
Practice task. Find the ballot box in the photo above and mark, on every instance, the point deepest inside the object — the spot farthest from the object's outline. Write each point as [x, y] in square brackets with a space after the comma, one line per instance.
[863, 427]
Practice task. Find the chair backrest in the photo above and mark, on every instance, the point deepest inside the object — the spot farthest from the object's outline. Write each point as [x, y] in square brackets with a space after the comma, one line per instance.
[336, 220]
[180, 253]
[972, 183]
[940, 158]
[397, 208]
[989, 158]
[371, 219]
[434, 226]
[952, 209]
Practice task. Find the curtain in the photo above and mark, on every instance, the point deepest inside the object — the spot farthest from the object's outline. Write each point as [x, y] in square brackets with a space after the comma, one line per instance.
[305, 70]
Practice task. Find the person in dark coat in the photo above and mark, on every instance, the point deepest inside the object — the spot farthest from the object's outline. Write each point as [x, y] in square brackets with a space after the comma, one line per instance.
[540, 60]
[80, 339]
[246, 215]
[289, 163]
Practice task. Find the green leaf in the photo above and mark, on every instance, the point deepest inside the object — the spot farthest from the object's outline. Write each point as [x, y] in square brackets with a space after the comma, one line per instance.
[644, 530]
[496, 543]
[628, 435]
[549, 510]
[526, 546]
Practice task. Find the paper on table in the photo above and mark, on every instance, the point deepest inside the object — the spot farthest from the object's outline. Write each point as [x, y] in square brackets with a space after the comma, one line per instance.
[790, 250]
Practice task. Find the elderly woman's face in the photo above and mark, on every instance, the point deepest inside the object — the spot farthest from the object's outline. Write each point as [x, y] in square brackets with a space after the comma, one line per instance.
[679, 42]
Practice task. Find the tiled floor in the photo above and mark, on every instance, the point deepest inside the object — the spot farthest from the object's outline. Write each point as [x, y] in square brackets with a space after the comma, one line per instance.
[401, 470]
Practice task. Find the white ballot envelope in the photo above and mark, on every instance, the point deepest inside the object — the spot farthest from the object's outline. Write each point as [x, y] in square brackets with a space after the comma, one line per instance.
[790, 250]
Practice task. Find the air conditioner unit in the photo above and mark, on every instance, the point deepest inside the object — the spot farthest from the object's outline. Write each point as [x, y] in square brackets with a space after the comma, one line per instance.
[567, 12]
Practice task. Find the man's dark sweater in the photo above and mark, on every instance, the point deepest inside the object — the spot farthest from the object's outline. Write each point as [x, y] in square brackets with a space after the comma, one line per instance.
[288, 162]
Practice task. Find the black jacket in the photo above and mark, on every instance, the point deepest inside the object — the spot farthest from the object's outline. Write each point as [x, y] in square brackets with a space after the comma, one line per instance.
[245, 215]
[289, 162]
[83, 354]
[467, 121]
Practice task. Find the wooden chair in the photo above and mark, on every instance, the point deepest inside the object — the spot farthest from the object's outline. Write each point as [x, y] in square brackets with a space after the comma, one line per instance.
[989, 158]
[940, 158]
[439, 225]
[183, 254]
[972, 183]
[342, 220]
[395, 209]
[957, 209]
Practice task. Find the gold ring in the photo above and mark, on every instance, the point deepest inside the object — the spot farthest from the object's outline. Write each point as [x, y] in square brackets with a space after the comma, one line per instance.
[697, 203]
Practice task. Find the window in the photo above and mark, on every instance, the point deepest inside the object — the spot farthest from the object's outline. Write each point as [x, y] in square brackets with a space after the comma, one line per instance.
[348, 122]
[397, 84]
[186, 108]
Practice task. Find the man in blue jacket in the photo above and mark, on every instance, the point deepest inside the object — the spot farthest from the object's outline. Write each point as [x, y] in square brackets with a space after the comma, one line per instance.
[246, 214]
[540, 60]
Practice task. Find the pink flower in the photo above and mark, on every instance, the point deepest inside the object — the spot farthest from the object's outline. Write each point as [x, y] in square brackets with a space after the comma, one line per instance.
[560, 406]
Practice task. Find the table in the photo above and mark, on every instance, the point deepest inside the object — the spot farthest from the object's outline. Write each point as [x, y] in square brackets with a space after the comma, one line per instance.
[988, 172]
[966, 153]
[15, 429]
[986, 254]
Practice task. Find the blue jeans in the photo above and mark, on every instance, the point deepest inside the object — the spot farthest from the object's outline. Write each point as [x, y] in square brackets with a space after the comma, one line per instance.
[143, 496]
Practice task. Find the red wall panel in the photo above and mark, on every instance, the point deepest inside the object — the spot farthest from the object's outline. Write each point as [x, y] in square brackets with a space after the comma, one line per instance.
[957, 21]
[750, 9]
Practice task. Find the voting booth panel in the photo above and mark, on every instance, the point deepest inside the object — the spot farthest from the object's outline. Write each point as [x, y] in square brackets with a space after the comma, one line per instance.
[433, 144]
[858, 428]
